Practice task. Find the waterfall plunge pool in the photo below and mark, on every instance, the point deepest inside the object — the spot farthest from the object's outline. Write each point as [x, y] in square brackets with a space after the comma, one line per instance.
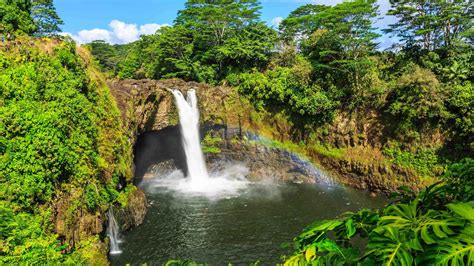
[220, 218]
[240, 229]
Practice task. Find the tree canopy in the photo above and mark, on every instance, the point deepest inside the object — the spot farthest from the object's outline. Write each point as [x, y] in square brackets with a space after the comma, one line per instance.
[432, 24]
[209, 40]
[30, 17]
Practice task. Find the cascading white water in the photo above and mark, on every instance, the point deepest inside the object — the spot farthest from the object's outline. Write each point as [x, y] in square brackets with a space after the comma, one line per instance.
[113, 233]
[224, 183]
[189, 123]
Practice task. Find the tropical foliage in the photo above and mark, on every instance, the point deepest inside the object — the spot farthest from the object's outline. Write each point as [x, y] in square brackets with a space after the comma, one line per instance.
[38, 17]
[207, 42]
[322, 61]
[60, 136]
[432, 228]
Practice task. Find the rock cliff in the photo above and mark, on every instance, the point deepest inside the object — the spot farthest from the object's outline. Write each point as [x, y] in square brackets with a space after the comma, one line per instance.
[147, 105]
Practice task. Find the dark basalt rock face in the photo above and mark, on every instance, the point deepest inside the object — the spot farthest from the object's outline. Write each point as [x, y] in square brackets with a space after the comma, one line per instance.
[373, 176]
[158, 153]
[79, 227]
[133, 214]
[267, 163]
[147, 106]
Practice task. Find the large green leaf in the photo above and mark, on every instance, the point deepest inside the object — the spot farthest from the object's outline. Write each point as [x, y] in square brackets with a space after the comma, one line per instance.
[430, 226]
[316, 232]
[387, 248]
[465, 210]
[452, 251]
[351, 229]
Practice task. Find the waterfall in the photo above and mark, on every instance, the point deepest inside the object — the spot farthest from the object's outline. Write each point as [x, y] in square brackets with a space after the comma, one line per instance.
[113, 233]
[189, 124]
[228, 181]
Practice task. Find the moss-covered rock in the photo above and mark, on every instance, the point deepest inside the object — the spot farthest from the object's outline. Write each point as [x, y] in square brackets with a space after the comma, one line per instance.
[64, 154]
[133, 212]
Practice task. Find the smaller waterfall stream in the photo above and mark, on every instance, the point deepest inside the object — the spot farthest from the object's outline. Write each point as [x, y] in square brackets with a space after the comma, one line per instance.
[113, 233]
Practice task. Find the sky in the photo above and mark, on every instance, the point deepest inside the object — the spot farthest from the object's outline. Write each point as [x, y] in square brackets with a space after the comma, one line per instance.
[123, 21]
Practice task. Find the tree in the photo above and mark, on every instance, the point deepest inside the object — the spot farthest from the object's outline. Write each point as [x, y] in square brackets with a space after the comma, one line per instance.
[432, 24]
[105, 54]
[291, 90]
[338, 41]
[247, 48]
[212, 22]
[167, 54]
[30, 17]
[174, 51]
[45, 17]
[212, 19]
[15, 17]
[350, 21]
[302, 22]
[210, 39]
[417, 102]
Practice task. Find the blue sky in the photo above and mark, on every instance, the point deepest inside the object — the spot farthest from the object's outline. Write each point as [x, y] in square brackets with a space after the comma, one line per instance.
[123, 21]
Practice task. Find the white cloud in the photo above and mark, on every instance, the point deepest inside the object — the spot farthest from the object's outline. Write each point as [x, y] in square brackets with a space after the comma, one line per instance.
[276, 21]
[148, 29]
[123, 32]
[119, 32]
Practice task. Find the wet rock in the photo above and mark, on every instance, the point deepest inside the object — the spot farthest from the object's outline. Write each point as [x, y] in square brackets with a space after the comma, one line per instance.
[133, 214]
[371, 175]
[72, 223]
[147, 104]
[267, 163]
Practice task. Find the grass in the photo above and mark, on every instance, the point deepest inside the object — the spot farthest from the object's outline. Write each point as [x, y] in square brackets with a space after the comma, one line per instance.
[328, 151]
[424, 161]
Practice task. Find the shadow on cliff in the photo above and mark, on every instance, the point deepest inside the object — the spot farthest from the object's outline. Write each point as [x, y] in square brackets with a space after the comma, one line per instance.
[165, 145]
[154, 147]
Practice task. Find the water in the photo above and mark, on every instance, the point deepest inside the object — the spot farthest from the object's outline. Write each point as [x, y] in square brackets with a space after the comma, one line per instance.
[222, 218]
[198, 180]
[189, 123]
[113, 233]
[241, 228]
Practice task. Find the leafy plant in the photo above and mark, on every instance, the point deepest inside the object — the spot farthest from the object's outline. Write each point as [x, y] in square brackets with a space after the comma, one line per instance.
[426, 229]
[60, 139]
[424, 161]
[210, 144]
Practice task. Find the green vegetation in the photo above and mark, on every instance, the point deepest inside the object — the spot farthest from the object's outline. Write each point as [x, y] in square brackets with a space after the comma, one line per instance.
[60, 136]
[30, 17]
[207, 42]
[424, 161]
[210, 144]
[328, 151]
[434, 227]
[323, 61]
[62, 149]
